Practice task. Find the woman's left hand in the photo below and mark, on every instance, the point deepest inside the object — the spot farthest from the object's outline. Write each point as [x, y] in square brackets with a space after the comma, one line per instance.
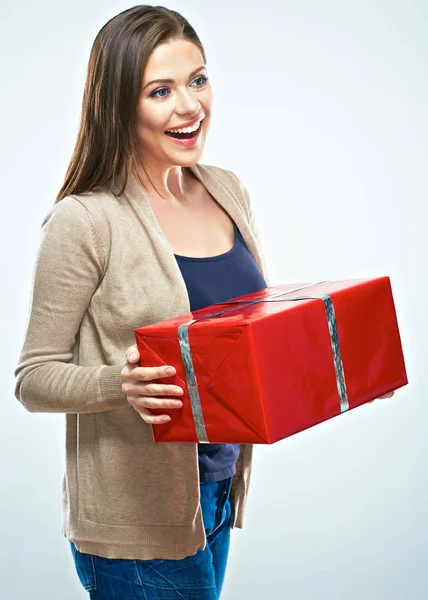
[388, 395]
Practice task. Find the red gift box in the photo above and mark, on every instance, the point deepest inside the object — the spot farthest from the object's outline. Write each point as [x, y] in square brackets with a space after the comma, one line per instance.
[264, 366]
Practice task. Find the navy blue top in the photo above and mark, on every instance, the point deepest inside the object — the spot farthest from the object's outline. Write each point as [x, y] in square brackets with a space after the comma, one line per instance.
[213, 280]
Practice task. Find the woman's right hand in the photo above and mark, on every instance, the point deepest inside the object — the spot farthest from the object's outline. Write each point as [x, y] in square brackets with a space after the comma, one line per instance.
[142, 394]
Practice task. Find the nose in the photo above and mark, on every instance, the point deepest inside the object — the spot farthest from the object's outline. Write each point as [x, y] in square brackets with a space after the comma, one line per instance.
[187, 104]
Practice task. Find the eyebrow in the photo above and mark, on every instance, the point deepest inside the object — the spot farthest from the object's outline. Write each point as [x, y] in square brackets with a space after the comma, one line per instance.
[171, 80]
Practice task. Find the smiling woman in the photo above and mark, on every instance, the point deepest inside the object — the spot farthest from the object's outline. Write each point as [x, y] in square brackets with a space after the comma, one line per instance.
[163, 109]
[140, 232]
[159, 109]
[125, 114]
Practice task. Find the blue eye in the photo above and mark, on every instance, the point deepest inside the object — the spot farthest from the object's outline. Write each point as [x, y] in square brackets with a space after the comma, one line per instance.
[154, 94]
[204, 79]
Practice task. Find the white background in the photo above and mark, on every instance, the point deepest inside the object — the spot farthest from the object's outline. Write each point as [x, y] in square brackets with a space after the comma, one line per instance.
[321, 110]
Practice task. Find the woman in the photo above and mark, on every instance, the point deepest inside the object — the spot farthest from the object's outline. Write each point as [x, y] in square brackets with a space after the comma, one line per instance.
[139, 232]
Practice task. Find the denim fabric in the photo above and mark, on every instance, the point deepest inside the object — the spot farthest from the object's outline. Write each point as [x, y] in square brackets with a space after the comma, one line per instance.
[196, 577]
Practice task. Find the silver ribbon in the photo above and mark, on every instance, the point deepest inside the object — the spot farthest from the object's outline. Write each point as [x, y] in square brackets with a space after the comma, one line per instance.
[186, 353]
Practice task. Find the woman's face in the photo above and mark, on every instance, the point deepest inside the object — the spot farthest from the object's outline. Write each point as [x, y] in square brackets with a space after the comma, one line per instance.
[167, 105]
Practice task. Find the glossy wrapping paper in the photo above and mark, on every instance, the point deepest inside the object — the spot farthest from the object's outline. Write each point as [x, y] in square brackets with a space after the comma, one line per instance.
[277, 362]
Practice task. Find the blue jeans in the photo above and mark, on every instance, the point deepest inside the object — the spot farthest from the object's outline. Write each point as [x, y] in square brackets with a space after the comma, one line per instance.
[196, 577]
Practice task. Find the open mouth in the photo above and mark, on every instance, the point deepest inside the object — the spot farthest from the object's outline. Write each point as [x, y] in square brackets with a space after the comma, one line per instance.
[185, 136]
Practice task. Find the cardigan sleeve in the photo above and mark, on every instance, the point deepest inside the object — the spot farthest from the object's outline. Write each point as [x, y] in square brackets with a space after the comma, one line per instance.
[67, 271]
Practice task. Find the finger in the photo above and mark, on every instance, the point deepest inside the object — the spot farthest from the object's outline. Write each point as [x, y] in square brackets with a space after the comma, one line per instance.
[134, 388]
[137, 389]
[132, 354]
[159, 389]
[151, 419]
[150, 403]
[150, 373]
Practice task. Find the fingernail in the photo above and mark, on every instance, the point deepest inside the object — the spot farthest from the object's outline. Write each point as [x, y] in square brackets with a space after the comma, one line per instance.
[132, 356]
[170, 370]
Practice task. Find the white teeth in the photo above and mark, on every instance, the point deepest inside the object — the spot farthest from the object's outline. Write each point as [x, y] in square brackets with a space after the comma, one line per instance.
[186, 129]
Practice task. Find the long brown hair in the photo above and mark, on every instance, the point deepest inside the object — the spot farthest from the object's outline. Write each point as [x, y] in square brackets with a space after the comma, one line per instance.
[105, 148]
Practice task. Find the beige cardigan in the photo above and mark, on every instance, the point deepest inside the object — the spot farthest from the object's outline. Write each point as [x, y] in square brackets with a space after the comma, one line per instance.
[104, 268]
